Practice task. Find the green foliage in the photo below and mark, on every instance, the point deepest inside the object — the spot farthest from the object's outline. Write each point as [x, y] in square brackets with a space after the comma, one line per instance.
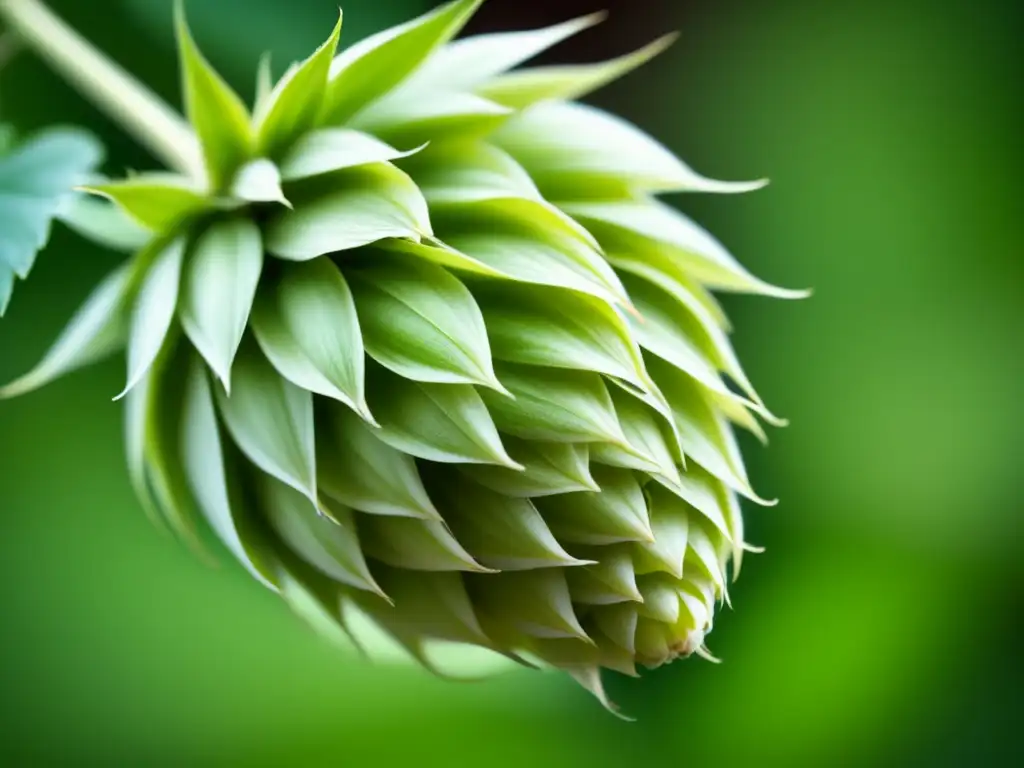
[36, 178]
[419, 342]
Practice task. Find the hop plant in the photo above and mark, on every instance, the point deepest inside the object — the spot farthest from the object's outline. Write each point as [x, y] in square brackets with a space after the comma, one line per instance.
[415, 340]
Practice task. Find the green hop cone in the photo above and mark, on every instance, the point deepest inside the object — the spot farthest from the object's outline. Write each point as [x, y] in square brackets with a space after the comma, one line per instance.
[414, 339]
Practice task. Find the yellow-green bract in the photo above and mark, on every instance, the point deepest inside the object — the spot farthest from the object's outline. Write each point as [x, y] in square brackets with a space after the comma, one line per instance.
[415, 341]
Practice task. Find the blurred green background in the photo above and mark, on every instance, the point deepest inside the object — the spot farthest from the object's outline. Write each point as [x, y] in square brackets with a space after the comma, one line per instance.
[882, 626]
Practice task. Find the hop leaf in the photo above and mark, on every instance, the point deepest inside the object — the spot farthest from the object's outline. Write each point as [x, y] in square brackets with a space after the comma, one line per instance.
[423, 350]
[36, 179]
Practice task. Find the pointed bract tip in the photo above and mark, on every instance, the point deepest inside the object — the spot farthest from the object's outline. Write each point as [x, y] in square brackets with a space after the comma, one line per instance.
[705, 654]
[747, 547]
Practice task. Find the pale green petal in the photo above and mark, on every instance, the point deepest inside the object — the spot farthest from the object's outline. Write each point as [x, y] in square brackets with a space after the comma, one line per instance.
[220, 281]
[372, 67]
[416, 545]
[616, 513]
[334, 149]
[549, 469]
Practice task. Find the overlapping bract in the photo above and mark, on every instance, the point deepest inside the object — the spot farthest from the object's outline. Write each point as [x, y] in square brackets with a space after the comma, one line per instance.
[422, 346]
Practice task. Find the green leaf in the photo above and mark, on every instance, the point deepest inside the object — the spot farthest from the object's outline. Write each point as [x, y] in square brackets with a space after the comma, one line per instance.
[441, 254]
[575, 151]
[153, 414]
[306, 323]
[271, 421]
[670, 522]
[220, 282]
[528, 242]
[157, 201]
[446, 423]
[361, 471]
[704, 435]
[524, 88]
[558, 329]
[218, 115]
[421, 322]
[259, 181]
[470, 61]
[292, 107]
[154, 311]
[617, 513]
[610, 581]
[706, 553]
[328, 543]
[549, 469]
[697, 322]
[649, 231]
[35, 180]
[103, 223]
[536, 603]
[334, 149]
[504, 533]
[461, 172]
[426, 605]
[98, 328]
[415, 545]
[409, 119]
[372, 67]
[346, 210]
[264, 83]
[651, 442]
[706, 494]
[207, 475]
[553, 404]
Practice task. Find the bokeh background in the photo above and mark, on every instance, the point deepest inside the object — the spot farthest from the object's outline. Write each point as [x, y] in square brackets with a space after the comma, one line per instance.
[882, 626]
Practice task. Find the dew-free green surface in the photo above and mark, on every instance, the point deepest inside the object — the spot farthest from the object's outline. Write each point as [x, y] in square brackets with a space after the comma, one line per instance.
[878, 629]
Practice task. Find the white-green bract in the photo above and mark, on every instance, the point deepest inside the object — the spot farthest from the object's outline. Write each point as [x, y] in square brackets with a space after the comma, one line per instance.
[414, 339]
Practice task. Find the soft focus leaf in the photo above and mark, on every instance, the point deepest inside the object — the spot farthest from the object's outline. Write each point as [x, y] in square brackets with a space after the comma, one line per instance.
[526, 241]
[355, 207]
[524, 88]
[361, 471]
[98, 328]
[204, 463]
[574, 151]
[259, 181]
[612, 579]
[157, 201]
[431, 605]
[271, 421]
[549, 469]
[649, 438]
[470, 61]
[502, 532]
[616, 513]
[416, 545]
[702, 432]
[334, 149]
[464, 172]
[553, 404]
[218, 115]
[536, 603]
[154, 311]
[446, 423]
[670, 524]
[558, 329]
[306, 323]
[650, 231]
[220, 282]
[104, 223]
[409, 119]
[35, 180]
[294, 103]
[372, 67]
[328, 543]
[421, 322]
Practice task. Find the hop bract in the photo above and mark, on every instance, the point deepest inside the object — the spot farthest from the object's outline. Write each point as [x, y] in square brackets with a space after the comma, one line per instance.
[416, 342]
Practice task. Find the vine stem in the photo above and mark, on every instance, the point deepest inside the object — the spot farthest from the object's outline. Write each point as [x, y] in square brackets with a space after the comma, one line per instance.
[133, 106]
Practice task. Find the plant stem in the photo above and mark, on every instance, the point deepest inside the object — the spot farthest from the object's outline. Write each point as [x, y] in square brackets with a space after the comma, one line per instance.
[127, 101]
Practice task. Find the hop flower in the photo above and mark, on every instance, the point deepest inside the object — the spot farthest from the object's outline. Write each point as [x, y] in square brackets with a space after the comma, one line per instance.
[416, 342]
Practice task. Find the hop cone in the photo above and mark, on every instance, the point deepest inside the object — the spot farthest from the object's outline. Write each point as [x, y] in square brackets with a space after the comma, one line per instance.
[417, 343]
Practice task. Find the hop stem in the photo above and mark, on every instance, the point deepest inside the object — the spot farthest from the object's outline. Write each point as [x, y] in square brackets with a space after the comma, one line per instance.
[128, 102]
